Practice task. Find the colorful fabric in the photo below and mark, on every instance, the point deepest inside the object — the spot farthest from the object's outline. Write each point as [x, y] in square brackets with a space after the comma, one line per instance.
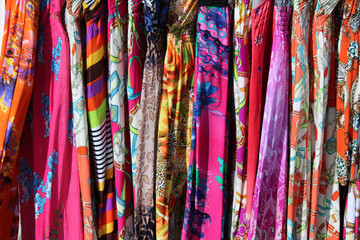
[268, 218]
[175, 117]
[241, 65]
[117, 53]
[260, 57]
[80, 126]
[300, 145]
[155, 13]
[101, 150]
[17, 62]
[322, 167]
[207, 180]
[347, 107]
[136, 55]
[48, 177]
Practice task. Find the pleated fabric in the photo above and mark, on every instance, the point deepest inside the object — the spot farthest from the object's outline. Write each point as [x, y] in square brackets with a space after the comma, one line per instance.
[261, 22]
[241, 51]
[117, 82]
[136, 46]
[268, 218]
[175, 114]
[347, 108]
[80, 126]
[49, 178]
[100, 136]
[300, 145]
[206, 188]
[18, 47]
[324, 186]
[155, 13]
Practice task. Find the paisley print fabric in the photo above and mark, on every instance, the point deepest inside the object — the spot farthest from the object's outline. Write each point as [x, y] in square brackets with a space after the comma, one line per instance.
[260, 57]
[80, 125]
[347, 109]
[48, 176]
[321, 72]
[206, 188]
[300, 145]
[101, 150]
[17, 62]
[241, 43]
[117, 25]
[175, 113]
[266, 223]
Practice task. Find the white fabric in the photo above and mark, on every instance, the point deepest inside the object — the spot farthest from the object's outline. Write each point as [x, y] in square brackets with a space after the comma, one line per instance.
[2, 21]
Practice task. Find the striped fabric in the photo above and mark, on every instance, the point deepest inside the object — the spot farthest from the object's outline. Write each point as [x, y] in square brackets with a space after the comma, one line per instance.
[101, 151]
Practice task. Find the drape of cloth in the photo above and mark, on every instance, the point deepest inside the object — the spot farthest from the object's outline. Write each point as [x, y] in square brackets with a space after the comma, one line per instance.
[101, 150]
[268, 218]
[347, 108]
[117, 82]
[17, 62]
[80, 126]
[155, 13]
[300, 145]
[261, 30]
[206, 187]
[324, 202]
[175, 114]
[241, 58]
[2, 21]
[48, 177]
[136, 45]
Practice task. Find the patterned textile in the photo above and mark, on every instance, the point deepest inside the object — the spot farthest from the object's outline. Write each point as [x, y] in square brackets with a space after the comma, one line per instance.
[175, 117]
[300, 148]
[117, 24]
[101, 150]
[347, 108]
[207, 180]
[241, 50]
[324, 186]
[49, 177]
[136, 55]
[17, 61]
[260, 57]
[80, 126]
[268, 218]
[155, 13]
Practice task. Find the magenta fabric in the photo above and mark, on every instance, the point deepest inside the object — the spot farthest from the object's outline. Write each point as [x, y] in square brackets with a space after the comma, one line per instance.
[206, 189]
[268, 218]
[49, 178]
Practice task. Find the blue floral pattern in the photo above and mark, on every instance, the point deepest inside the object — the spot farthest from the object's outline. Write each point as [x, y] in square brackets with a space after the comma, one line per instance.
[70, 132]
[45, 113]
[55, 61]
[32, 184]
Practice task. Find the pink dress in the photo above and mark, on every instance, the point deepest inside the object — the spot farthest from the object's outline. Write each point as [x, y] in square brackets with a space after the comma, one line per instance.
[48, 177]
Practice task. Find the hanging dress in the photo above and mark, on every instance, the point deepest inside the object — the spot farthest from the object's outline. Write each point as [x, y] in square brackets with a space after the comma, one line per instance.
[207, 180]
[19, 30]
[175, 117]
[80, 117]
[101, 150]
[348, 107]
[117, 81]
[49, 178]
[261, 30]
[155, 13]
[241, 43]
[300, 148]
[268, 218]
[324, 186]
[136, 45]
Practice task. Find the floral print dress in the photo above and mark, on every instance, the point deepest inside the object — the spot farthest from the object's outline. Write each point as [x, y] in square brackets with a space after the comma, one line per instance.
[49, 177]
